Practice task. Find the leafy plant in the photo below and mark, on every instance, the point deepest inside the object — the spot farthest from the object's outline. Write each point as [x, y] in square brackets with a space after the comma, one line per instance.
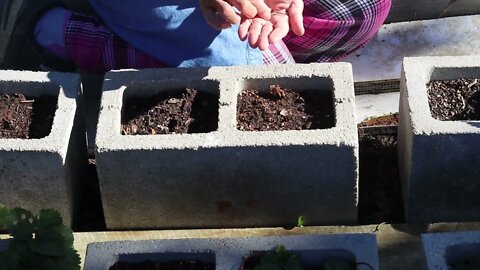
[280, 259]
[40, 242]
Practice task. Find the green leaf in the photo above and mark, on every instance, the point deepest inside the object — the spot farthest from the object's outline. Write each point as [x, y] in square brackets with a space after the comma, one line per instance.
[67, 234]
[51, 249]
[25, 255]
[280, 259]
[293, 263]
[3, 216]
[21, 224]
[18, 247]
[8, 260]
[39, 262]
[70, 261]
[301, 221]
[52, 237]
[281, 249]
[49, 218]
[53, 242]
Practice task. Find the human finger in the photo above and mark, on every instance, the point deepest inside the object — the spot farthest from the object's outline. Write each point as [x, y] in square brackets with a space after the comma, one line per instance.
[216, 21]
[263, 11]
[245, 7]
[295, 14]
[219, 14]
[254, 32]
[226, 11]
[280, 28]
[263, 40]
[243, 28]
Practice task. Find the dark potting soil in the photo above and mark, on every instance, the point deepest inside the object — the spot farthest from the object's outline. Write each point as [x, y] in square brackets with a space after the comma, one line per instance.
[188, 111]
[385, 120]
[470, 263]
[284, 109]
[454, 99]
[253, 260]
[24, 117]
[380, 197]
[168, 265]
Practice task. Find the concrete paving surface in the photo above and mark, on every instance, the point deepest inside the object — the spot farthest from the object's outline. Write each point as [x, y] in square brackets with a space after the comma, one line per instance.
[381, 58]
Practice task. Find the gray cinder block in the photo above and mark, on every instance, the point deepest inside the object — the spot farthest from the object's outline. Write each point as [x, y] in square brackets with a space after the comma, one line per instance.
[228, 177]
[42, 173]
[439, 160]
[228, 253]
[443, 249]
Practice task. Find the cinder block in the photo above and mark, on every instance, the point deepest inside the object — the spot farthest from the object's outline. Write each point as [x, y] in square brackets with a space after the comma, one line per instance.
[228, 253]
[443, 249]
[228, 177]
[439, 160]
[42, 173]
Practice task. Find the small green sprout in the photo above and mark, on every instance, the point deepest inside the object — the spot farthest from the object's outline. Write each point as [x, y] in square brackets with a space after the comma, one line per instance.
[301, 221]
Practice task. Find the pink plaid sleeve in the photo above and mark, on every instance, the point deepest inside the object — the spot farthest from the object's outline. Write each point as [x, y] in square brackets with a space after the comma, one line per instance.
[336, 28]
[277, 53]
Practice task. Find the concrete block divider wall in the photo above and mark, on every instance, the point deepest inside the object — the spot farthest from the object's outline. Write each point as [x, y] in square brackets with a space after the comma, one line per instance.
[439, 160]
[42, 173]
[228, 253]
[228, 177]
[445, 250]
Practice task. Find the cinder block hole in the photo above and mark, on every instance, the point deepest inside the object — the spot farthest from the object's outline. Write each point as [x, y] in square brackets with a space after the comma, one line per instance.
[173, 107]
[200, 260]
[466, 255]
[309, 259]
[454, 94]
[286, 104]
[27, 110]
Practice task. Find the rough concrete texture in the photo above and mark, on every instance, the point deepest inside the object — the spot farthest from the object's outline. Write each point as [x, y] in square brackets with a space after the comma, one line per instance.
[439, 164]
[228, 178]
[40, 173]
[228, 253]
[443, 249]
[381, 58]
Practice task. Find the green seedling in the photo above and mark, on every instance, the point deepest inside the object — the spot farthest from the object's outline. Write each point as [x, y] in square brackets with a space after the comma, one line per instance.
[40, 242]
[301, 221]
[280, 259]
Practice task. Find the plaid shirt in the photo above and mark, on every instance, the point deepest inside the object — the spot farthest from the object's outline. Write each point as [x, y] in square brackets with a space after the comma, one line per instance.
[336, 28]
[333, 30]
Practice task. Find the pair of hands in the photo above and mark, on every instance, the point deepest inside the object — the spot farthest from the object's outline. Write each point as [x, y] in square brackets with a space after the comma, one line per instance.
[263, 22]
